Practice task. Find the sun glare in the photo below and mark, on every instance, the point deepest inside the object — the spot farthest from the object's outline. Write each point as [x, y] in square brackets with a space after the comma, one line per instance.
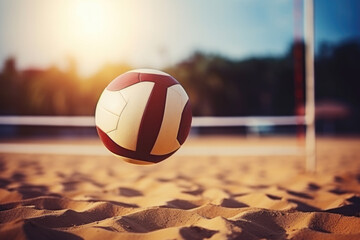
[89, 17]
[97, 33]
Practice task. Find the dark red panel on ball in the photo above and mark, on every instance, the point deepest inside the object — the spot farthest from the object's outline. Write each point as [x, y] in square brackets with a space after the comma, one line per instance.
[164, 80]
[118, 150]
[123, 81]
[154, 111]
[152, 118]
[185, 123]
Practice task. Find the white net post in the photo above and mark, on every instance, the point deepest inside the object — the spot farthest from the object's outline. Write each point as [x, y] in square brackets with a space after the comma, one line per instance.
[310, 87]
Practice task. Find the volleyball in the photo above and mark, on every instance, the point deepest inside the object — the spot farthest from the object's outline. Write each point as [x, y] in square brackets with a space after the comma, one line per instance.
[143, 116]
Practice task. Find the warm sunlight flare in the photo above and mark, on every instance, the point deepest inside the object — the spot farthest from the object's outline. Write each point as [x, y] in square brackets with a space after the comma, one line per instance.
[97, 29]
[141, 33]
[90, 18]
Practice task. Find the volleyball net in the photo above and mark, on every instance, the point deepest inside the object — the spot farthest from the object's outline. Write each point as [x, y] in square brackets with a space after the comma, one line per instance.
[232, 148]
[89, 121]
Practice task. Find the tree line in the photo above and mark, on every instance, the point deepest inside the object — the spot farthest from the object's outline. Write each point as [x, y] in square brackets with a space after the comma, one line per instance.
[217, 85]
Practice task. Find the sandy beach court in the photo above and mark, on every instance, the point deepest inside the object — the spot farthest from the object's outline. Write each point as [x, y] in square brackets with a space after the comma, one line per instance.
[209, 196]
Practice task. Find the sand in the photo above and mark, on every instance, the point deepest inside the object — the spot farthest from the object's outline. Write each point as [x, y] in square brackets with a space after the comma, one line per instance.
[185, 197]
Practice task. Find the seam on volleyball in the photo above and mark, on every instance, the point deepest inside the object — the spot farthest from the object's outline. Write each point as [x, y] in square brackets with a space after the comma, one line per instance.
[107, 110]
[118, 120]
[111, 113]
[117, 114]
[126, 102]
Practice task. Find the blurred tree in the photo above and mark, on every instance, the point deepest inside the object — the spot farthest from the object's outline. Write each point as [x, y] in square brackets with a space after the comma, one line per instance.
[337, 79]
[9, 87]
[220, 86]
[216, 85]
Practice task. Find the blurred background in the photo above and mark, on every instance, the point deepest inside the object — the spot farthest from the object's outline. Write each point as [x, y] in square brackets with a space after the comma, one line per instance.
[234, 58]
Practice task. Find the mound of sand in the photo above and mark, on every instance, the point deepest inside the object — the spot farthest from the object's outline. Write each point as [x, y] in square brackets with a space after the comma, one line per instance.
[184, 197]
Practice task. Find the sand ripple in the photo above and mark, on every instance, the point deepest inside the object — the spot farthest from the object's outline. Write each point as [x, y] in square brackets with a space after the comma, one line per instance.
[64, 197]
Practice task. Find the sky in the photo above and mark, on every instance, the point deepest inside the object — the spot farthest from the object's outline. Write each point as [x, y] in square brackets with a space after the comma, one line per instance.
[158, 33]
